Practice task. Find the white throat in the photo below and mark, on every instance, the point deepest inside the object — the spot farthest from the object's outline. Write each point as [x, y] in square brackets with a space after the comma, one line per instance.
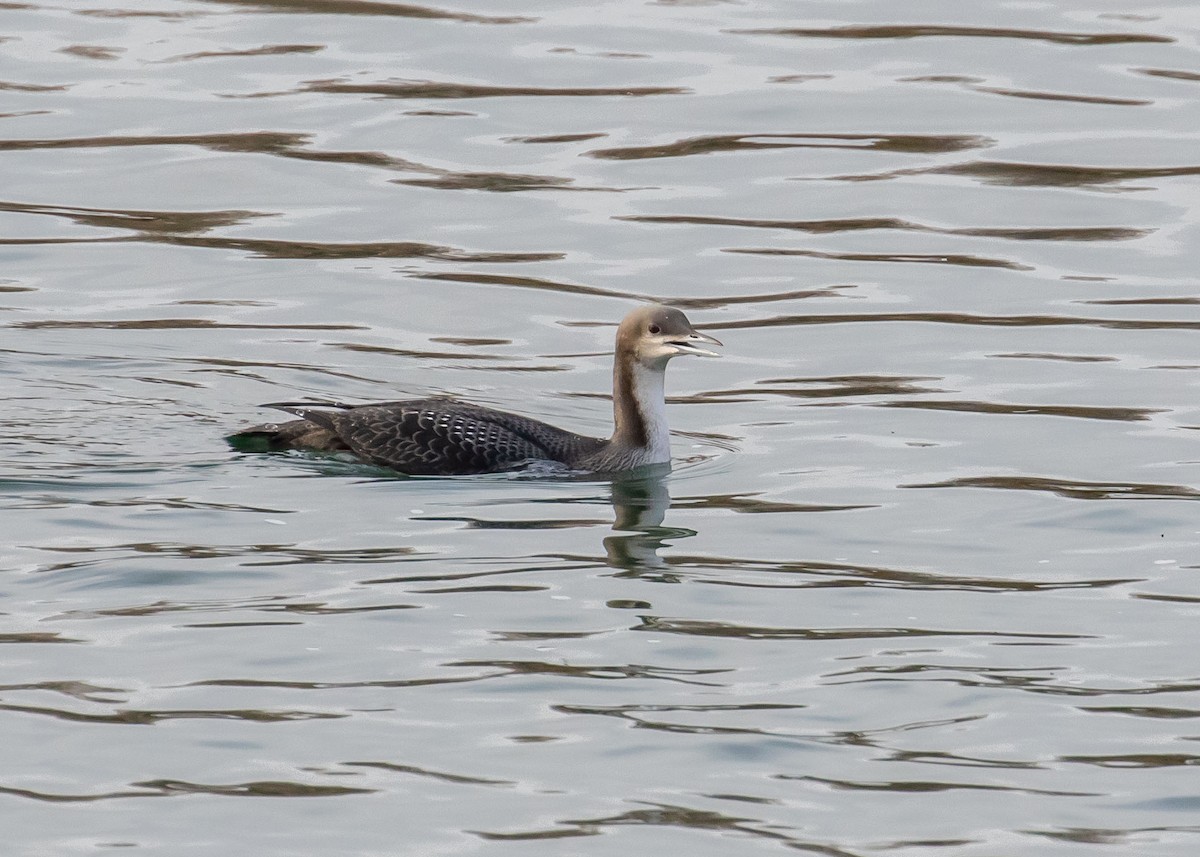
[648, 399]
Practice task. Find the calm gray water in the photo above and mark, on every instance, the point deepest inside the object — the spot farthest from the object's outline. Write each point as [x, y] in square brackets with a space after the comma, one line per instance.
[923, 580]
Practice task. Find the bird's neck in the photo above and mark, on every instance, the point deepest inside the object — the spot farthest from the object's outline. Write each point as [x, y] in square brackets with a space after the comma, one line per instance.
[639, 408]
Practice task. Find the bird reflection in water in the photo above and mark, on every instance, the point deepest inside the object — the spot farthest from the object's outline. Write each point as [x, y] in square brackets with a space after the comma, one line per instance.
[640, 502]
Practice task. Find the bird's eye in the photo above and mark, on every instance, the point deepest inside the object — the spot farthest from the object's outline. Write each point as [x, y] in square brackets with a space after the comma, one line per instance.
[654, 328]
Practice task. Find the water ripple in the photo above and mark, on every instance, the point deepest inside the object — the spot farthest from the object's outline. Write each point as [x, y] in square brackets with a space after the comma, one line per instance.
[137, 717]
[904, 31]
[421, 89]
[252, 554]
[1074, 489]
[976, 85]
[598, 671]
[1016, 174]
[927, 786]
[370, 8]
[687, 818]
[442, 776]
[702, 628]
[861, 224]
[961, 318]
[262, 51]
[1087, 412]
[960, 259]
[169, 788]
[923, 144]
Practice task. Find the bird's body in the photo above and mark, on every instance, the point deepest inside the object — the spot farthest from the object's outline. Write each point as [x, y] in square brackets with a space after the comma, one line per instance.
[445, 437]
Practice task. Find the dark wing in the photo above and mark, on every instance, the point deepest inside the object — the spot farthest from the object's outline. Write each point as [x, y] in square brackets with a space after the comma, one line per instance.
[560, 445]
[429, 437]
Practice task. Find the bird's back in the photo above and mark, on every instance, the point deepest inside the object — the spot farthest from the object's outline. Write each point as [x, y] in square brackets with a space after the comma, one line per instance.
[436, 436]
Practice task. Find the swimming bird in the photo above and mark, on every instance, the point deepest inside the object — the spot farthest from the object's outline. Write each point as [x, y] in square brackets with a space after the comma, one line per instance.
[446, 437]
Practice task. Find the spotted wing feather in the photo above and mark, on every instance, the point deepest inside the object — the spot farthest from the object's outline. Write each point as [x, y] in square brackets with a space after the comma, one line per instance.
[423, 438]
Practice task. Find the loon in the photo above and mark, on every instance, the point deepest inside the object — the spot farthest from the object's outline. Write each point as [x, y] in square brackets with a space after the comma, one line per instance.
[444, 437]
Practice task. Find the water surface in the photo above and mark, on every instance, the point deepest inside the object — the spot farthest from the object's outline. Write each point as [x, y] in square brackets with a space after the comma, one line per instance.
[923, 577]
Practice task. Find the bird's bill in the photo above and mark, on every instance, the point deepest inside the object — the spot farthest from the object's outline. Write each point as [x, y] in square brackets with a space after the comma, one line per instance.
[687, 345]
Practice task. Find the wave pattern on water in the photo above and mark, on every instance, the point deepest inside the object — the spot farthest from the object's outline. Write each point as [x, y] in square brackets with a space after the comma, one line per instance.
[930, 30]
[946, 254]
